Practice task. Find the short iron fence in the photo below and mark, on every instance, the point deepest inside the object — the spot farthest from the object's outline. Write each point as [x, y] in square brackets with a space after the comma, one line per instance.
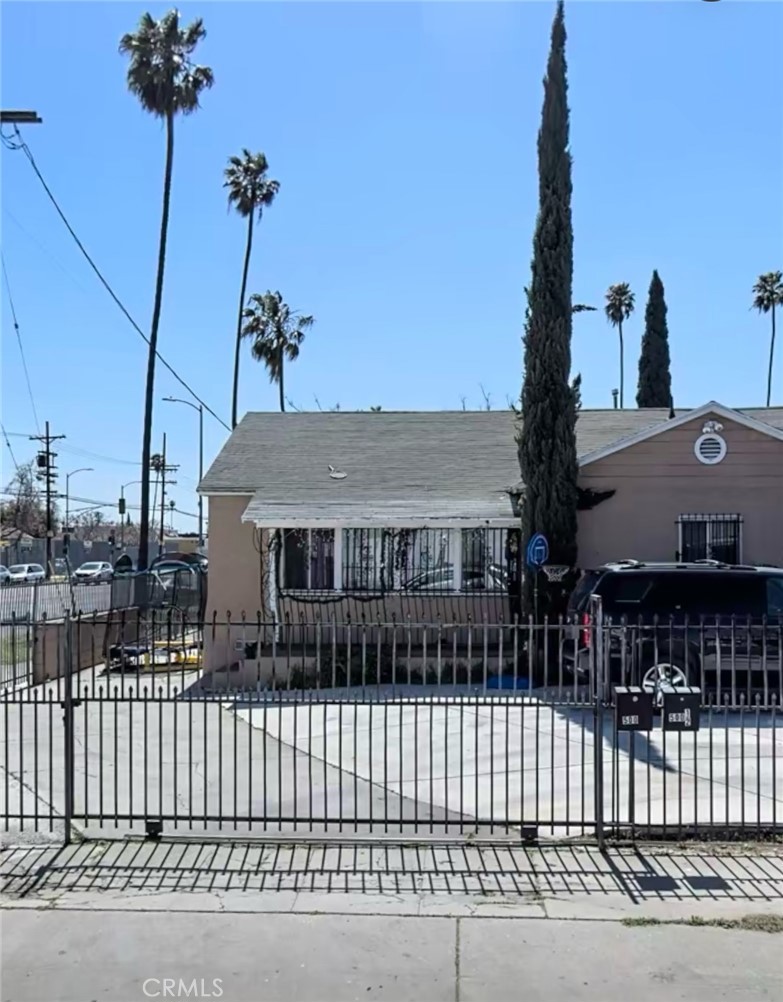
[42, 600]
[407, 730]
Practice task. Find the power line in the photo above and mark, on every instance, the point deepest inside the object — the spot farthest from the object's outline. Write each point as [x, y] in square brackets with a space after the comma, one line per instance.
[95, 503]
[19, 342]
[76, 450]
[13, 457]
[44, 249]
[20, 144]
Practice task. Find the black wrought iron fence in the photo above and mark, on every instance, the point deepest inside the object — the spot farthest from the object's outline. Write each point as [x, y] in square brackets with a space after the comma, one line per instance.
[124, 757]
[157, 723]
[176, 586]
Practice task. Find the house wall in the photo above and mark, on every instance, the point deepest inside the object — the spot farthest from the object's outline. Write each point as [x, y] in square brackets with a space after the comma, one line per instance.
[236, 605]
[235, 585]
[660, 479]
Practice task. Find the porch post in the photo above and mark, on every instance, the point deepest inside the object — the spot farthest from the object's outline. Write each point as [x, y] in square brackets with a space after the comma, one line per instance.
[456, 557]
[338, 559]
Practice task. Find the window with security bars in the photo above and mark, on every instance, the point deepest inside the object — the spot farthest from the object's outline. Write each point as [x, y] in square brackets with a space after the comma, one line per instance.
[397, 559]
[710, 537]
[427, 560]
[307, 559]
[488, 558]
[402, 560]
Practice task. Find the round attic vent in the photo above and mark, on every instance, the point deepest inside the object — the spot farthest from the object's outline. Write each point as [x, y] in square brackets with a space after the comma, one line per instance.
[710, 449]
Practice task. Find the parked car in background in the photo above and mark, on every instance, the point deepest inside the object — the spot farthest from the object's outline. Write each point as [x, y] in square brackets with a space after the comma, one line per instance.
[5, 577]
[26, 573]
[709, 624]
[493, 577]
[93, 572]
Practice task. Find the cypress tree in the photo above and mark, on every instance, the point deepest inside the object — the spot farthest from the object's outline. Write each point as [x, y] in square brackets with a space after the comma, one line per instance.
[547, 436]
[655, 379]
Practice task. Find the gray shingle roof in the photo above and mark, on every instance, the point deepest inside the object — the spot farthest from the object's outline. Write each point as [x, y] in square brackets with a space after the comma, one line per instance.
[463, 460]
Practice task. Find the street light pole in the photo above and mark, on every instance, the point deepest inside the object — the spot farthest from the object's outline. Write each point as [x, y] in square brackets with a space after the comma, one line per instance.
[200, 409]
[121, 506]
[82, 469]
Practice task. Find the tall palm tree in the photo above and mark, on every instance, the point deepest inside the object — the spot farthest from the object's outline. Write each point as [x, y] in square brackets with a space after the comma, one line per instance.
[767, 294]
[619, 306]
[249, 189]
[277, 332]
[162, 75]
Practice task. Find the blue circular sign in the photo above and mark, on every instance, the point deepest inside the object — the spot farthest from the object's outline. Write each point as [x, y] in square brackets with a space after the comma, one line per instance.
[537, 552]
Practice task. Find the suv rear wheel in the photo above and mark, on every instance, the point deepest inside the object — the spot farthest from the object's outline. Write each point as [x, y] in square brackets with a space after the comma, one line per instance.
[664, 667]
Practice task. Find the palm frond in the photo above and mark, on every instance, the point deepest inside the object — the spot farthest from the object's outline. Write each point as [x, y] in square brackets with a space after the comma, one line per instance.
[276, 332]
[619, 303]
[249, 188]
[768, 291]
[161, 73]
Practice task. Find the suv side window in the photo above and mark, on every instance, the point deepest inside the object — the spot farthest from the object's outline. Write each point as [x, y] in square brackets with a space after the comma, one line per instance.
[775, 597]
[710, 593]
[625, 594]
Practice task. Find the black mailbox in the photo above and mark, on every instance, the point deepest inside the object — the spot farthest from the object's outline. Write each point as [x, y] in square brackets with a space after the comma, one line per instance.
[633, 708]
[681, 708]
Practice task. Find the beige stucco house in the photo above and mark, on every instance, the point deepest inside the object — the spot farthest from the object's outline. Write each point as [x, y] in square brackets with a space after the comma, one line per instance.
[384, 515]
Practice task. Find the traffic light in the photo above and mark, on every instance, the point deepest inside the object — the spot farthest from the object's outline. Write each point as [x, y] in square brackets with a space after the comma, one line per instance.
[111, 539]
[121, 506]
[42, 460]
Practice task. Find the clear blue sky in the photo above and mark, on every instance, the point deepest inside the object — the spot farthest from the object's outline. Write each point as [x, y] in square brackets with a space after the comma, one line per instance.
[403, 136]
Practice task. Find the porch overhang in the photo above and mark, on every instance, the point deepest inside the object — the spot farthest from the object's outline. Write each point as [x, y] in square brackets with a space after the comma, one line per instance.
[494, 510]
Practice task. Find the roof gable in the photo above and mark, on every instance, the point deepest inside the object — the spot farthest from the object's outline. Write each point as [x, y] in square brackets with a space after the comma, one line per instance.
[713, 408]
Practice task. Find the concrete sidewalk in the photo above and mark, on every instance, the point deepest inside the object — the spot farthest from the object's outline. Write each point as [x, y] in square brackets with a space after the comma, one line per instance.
[319, 922]
[59, 956]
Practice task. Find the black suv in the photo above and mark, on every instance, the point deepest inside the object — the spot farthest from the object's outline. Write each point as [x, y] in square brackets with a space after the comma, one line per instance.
[713, 625]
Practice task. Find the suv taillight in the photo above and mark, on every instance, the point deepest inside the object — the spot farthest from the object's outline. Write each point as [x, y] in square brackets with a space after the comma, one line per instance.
[585, 642]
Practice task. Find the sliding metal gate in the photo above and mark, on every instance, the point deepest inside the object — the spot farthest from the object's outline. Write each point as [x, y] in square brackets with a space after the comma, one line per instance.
[156, 751]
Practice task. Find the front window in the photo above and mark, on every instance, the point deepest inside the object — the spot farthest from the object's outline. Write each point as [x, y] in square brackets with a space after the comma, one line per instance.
[393, 560]
[18, 569]
[366, 559]
[396, 559]
[710, 537]
[308, 559]
[91, 567]
[488, 555]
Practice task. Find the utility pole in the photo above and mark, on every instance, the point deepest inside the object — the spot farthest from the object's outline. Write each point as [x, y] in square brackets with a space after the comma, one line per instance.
[158, 464]
[47, 473]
